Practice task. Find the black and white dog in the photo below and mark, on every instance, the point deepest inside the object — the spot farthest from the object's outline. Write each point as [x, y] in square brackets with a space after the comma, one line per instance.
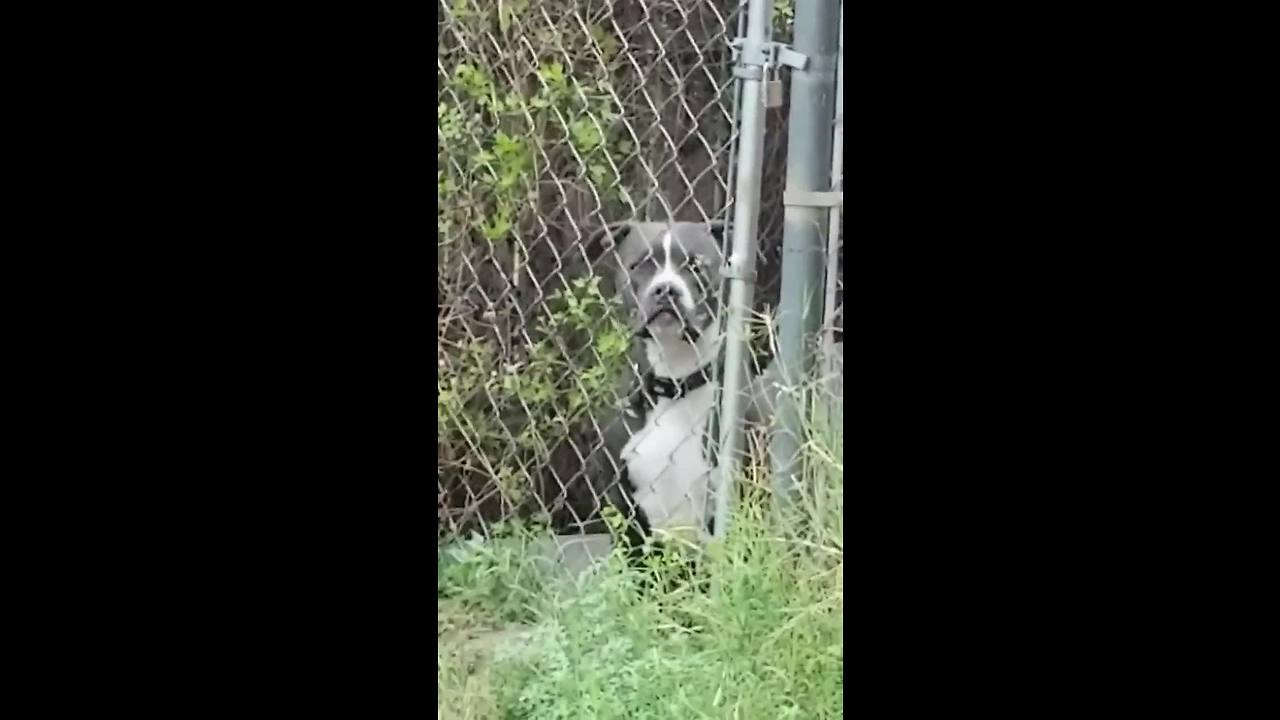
[668, 279]
[657, 459]
[653, 459]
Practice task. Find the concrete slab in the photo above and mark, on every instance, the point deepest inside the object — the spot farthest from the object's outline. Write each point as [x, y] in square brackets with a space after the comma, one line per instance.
[575, 554]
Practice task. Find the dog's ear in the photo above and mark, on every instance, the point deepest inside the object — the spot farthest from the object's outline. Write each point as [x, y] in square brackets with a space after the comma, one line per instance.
[718, 230]
[601, 243]
[600, 251]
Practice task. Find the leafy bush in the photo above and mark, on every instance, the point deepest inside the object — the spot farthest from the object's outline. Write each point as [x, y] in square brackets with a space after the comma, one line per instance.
[498, 417]
[529, 121]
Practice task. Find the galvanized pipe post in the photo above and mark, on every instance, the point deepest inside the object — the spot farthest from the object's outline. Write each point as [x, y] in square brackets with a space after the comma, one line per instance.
[739, 268]
[833, 228]
[816, 33]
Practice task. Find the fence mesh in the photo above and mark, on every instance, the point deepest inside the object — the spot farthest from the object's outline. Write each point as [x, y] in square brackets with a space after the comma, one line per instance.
[557, 118]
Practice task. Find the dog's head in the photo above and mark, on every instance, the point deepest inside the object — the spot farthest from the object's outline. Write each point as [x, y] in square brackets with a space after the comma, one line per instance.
[667, 275]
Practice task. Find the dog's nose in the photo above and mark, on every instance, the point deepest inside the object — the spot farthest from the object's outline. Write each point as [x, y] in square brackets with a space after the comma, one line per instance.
[667, 291]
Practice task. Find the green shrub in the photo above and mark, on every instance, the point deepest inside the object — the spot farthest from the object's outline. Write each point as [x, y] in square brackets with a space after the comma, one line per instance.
[500, 418]
[527, 112]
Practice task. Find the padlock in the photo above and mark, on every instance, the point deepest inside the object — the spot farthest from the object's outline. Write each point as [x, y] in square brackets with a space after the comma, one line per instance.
[772, 88]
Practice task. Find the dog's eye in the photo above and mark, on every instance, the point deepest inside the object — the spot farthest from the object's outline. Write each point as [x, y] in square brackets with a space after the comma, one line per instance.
[639, 262]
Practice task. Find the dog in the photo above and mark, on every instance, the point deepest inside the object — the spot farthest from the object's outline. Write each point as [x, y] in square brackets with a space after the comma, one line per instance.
[656, 456]
[668, 281]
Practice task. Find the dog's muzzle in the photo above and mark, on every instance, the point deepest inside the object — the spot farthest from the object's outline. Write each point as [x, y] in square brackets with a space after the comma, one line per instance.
[670, 317]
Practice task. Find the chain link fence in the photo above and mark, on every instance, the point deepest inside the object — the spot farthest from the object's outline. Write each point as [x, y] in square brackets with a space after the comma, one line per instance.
[557, 118]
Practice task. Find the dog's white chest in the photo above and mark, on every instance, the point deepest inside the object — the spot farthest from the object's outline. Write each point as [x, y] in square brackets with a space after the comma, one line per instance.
[666, 463]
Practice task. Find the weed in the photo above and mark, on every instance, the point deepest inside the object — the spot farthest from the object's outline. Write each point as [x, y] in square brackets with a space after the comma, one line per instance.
[764, 642]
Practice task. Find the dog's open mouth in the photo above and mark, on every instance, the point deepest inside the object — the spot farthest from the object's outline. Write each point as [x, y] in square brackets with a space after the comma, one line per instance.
[669, 319]
[665, 318]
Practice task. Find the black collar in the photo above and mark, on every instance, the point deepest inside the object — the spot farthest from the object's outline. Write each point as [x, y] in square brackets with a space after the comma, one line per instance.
[653, 386]
[669, 388]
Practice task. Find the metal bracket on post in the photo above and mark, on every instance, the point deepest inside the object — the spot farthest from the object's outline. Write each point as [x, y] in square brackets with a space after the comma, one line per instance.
[802, 198]
[731, 270]
[755, 59]
[761, 62]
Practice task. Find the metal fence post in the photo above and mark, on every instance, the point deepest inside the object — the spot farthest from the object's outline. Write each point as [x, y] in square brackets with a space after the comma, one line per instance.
[740, 264]
[833, 229]
[809, 140]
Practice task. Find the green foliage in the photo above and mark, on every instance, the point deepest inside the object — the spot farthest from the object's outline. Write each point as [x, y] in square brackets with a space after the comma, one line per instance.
[784, 16]
[580, 349]
[526, 111]
[511, 112]
[764, 642]
[496, 578]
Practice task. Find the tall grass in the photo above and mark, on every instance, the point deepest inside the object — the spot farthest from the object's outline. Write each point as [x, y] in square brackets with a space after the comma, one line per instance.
[766, 641]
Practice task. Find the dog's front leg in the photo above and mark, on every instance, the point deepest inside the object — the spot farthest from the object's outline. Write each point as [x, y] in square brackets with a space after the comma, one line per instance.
[608, 479]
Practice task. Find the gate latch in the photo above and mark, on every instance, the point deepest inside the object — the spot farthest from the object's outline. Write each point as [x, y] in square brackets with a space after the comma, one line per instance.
[757, 58]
